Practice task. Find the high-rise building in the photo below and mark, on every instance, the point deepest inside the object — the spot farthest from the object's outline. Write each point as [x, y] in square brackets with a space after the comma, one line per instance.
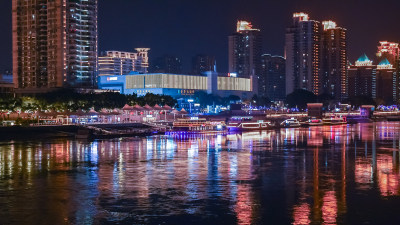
[387, 82]
[362, 78]
[167, 64]
[272, 81]
[203, 63]
[334, 60]
[303, 50]
[54, 44]
[121, 63]
[245, 49]
[380, 82]
[388, 50]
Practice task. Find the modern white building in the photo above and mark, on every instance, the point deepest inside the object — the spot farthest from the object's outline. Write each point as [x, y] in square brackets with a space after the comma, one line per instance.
[119, 63]
[178, 85]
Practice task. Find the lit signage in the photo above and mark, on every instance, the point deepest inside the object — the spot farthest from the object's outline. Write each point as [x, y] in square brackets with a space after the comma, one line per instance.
[329, 25]
[302, 16]
[232, 74]
[187, 92]
[194, 118]
[112, 78]
[244, 25]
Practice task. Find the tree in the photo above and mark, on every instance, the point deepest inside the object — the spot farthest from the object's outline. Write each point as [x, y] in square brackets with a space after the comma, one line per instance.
[299, 98]
[358, 101]
[231, 99]
[261, 101]
[69, 99]
[132, 99]
[326, 99]
[152, 99]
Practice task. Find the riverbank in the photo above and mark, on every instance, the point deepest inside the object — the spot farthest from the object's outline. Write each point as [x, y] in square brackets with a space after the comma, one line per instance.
[71, 131]
[104, 131]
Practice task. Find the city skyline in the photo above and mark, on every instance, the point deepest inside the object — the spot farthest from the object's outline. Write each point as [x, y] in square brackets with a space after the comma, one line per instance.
[210, 32]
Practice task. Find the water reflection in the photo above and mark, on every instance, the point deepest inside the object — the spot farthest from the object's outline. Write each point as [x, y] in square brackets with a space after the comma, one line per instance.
[316, 175]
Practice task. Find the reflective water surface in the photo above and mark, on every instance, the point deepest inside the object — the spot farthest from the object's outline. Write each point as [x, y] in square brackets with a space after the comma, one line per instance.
[345, 174]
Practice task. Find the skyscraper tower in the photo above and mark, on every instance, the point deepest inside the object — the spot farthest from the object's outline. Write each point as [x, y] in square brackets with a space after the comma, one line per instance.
[122, 63]
[387, 82]
[245, 47]
[54, 44]
[303, 50]
[362, 78]
[272, 83]
[334, 60]
[388, 50]
[166, 64]
[203, 63]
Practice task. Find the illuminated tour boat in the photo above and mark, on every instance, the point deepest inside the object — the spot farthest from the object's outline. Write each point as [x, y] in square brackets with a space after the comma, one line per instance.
[249, 125]
[195, 124]
[334, 121]
[291, 123]
[315, 122]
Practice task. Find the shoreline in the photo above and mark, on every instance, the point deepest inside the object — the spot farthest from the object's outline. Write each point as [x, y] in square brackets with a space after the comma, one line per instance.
[100, 131]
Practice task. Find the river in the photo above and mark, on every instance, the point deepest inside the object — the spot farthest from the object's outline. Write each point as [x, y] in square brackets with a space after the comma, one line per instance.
[347, 174]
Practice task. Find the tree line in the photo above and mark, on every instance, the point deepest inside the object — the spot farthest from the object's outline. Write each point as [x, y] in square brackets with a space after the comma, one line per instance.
[300, 98]
[68, 99]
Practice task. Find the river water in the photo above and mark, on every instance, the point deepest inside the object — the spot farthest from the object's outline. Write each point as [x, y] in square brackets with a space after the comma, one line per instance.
[347, 174]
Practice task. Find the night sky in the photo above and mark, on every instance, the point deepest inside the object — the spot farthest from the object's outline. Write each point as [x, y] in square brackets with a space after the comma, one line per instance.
[188, 27]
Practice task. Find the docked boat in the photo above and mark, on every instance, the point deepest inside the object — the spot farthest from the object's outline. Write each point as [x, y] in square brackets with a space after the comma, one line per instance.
[291, 123]
[334, 121]
[315, 122]
[249, 125]
[195, 124]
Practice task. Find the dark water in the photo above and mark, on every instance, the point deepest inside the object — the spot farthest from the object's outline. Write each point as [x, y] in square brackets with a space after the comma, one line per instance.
[331, 175]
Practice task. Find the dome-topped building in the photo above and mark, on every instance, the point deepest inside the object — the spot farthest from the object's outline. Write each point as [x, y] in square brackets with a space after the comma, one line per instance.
[385, 64]
[376, 80]
[364, 61]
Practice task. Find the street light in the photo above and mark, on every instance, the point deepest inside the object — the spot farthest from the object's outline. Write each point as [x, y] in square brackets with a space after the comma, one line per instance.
[190, 105]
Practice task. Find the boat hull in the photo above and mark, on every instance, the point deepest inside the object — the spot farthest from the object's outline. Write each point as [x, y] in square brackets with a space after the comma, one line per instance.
[334, 123]
[250, 127]
[315, 124]
[292, 126]
[191, 129]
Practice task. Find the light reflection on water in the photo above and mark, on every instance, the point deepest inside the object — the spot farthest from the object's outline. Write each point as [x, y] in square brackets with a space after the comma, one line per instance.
[331, 175]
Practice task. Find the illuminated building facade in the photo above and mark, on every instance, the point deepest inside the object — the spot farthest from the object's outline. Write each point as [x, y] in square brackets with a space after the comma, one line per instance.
[176, 85]
[272, 81]
[303, 50]
[387, 82]
[166, 64]
[334, 60]
[203, 63]
[245, 49]
[54, 44]
[380, 82]
[362, 78]
[119, 63]
[388, 50]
